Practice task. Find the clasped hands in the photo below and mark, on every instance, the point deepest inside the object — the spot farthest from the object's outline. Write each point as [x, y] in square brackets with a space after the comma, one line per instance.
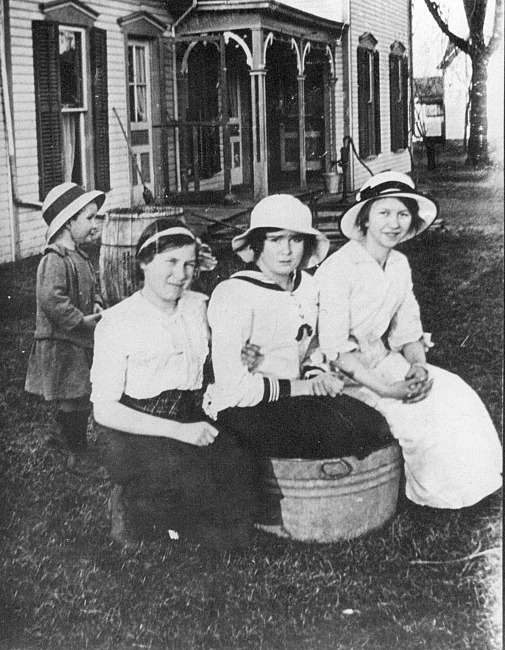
[416, 385]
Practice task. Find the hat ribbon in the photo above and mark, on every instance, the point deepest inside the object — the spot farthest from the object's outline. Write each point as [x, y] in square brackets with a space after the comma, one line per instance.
[62, 202]
[382, 188]
[174, 230]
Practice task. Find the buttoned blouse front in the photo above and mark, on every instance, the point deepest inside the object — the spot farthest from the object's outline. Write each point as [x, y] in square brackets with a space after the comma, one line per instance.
[142, 352]
[360, 301]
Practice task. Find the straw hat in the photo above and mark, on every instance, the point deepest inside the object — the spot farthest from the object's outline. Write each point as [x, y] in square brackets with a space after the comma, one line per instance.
[282, 212]
[63, 202]
[388, 185]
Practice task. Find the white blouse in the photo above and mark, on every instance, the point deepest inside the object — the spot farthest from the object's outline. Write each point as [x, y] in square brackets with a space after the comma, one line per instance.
[142, 352]
[250, 308]
[360, 302]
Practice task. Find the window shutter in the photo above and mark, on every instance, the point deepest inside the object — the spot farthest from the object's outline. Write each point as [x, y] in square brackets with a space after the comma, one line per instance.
[99, 91]
[363, 95]
[393, 100]
[377, 103]
[405, 105]
[47, 104]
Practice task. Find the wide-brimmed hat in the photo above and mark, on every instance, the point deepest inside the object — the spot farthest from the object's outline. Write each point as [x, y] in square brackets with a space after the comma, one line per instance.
[388, 185]
[63, 202]
[282, 212]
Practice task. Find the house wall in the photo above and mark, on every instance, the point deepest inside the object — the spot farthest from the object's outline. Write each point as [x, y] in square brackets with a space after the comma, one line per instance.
[388, 21]
[5, 226]
[22, 13]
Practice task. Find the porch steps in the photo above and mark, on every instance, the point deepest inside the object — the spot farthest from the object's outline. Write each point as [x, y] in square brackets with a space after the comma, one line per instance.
[219, 224]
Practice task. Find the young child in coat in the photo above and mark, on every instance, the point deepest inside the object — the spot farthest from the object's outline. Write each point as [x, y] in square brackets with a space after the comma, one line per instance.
[68, 307]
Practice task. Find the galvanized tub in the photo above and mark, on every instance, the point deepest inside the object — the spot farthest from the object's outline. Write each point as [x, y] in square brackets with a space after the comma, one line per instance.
[329, 500]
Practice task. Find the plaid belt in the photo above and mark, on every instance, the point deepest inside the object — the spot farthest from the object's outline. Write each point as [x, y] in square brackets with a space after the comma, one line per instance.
[180, 405]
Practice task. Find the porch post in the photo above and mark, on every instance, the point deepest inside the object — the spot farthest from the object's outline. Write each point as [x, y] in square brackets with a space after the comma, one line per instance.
[329, 119]
[258, 112]
[301, 130]
[225, 118]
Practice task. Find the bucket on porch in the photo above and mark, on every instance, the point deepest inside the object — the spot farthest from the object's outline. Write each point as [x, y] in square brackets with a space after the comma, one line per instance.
[121, 231]
[332, 181]
[332, 499]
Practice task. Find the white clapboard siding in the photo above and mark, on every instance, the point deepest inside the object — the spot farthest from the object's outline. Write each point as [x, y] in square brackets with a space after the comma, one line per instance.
[5, 226]
[22, 13]
[388, 21]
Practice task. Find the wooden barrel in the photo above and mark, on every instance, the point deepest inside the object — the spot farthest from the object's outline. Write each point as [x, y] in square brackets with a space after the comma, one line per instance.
[121, 231]
[329, 500]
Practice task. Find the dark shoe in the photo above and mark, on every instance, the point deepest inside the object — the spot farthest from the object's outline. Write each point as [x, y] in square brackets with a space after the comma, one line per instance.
[119, 531]
[57, 442]
[84, 467]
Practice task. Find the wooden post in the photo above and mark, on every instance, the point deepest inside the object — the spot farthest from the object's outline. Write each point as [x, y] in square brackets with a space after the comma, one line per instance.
[196, 157]
[301, 129]
[225, 118]
[258, 114]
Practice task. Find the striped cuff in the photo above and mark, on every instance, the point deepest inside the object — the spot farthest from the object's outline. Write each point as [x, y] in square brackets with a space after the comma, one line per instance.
[276, 389]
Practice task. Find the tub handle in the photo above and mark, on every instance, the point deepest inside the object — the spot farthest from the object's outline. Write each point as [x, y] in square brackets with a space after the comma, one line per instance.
[335, 469]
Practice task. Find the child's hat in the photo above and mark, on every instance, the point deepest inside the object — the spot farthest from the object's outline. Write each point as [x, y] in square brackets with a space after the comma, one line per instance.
[63, 202]
[282, 212]
[385, 185]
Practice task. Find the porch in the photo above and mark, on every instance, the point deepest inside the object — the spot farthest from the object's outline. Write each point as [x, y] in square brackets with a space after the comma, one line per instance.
[217, 219]
[255, 109]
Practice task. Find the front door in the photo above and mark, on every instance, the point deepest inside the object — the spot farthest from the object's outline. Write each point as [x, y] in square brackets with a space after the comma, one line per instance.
[139, 87]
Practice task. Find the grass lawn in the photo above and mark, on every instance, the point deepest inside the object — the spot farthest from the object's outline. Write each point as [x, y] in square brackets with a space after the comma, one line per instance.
[431, 583]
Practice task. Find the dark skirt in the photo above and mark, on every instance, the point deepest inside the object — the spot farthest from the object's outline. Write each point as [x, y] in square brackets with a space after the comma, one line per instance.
[59, 370]
[203, 493]
[308, 427]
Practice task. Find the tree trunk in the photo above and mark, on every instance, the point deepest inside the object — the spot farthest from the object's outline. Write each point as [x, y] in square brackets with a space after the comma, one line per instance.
[477, 141]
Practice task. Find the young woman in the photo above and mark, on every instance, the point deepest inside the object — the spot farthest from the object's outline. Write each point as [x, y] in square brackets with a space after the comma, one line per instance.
[175, 471]
[370, 328]
[271, 309]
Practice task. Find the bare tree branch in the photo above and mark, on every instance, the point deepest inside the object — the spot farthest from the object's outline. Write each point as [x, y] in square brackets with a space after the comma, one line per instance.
[434, 9]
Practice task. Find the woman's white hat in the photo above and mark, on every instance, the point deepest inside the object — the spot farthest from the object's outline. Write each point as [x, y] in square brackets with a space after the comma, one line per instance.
[282, 212]
[63, 202]
[388, 185]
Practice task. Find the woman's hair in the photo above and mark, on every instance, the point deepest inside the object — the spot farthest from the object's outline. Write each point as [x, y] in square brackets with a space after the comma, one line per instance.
[146, 255]
[411, 204]
[256, 241]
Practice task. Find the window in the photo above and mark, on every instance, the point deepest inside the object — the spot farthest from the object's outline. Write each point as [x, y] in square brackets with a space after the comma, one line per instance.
[139, 92]
[71, 107]
[368, 97]
[145, 105]
[72, 61]
[398, 97]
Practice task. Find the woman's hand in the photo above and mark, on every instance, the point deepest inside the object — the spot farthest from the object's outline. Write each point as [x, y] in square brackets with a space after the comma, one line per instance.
[97, 308]
[418, 372]
[251, 356]
[409, 391]
[326, 384]
[200, 434]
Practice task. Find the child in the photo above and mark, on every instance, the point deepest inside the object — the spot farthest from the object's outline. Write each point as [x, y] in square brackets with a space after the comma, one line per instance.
[68, 308]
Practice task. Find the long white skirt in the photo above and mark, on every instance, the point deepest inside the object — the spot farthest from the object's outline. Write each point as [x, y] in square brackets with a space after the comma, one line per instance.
[452, 453]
